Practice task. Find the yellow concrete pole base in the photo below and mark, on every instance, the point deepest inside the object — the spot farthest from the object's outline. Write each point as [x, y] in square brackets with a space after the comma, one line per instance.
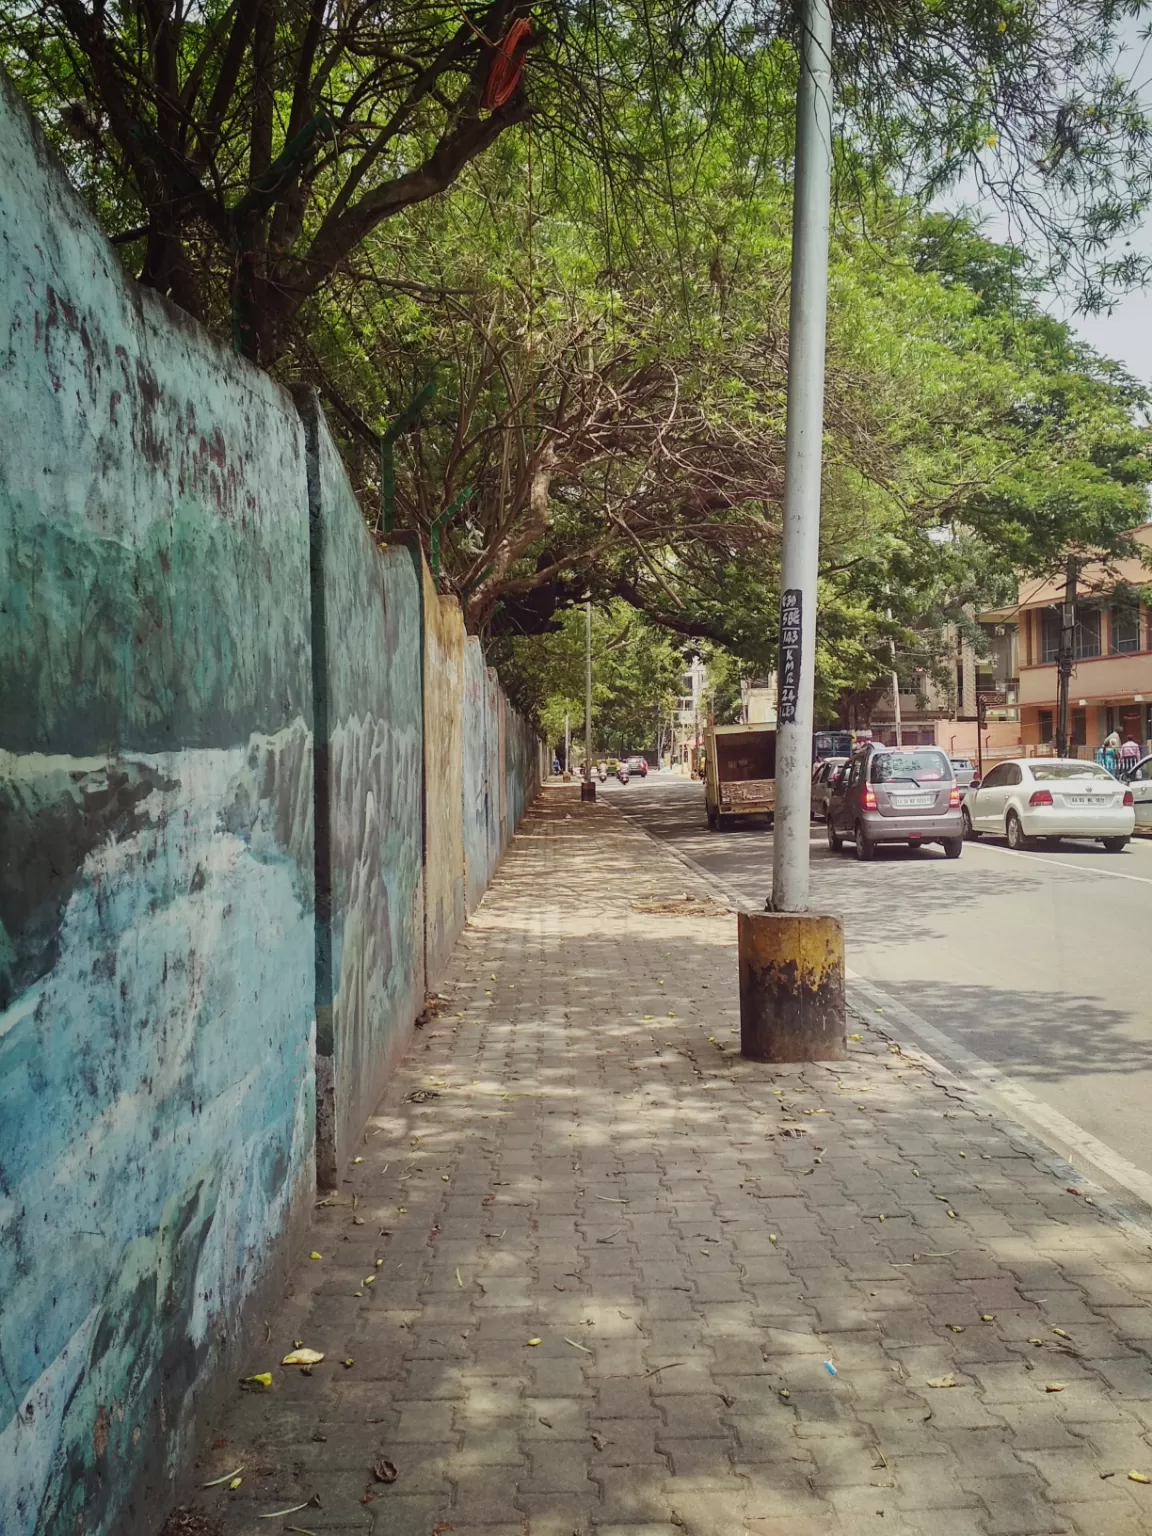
[791, 987]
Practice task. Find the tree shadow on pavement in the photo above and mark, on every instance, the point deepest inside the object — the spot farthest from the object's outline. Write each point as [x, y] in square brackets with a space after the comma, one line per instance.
[1051, 1036]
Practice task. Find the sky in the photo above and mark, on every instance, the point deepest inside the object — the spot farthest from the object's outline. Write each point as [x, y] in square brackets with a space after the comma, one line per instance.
[1126, 332]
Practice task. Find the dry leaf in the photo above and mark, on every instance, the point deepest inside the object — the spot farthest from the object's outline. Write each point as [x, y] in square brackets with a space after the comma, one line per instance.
[1054, 1386]
[1137, 1477]
[303, 1357]
[532, 1343]
[384, 1471]
[263, 1380]
[315, 1255]
[942, 1381]
[347, 1364]
[580, 1347]
[216, 1481]
[277, 1514]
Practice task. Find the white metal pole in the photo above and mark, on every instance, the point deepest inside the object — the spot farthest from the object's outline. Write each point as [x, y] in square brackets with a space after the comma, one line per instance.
[567, 742]
[588, 692]
[896, 716]
[803, 458]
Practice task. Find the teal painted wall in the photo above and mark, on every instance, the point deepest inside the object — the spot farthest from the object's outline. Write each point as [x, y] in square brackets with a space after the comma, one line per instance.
[156, 977]
[217, 698]
[369, 764]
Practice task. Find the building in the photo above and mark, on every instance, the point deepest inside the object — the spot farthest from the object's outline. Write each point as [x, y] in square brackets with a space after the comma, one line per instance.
[980, 693]
[758, 700]
[1112, 672]
[691, 711]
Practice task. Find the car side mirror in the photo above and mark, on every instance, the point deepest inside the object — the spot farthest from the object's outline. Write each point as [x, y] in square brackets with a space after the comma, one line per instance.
[975, 784]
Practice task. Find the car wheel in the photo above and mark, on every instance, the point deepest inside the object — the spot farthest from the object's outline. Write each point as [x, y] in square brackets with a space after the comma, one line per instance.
[953, 847]
[1015, 832]
[970, 831]
[865, 847]
[835, 841]
[1115, 844]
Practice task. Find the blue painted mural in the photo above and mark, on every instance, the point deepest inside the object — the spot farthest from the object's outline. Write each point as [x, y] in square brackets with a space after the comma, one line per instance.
[477, 784]
[369, 726]
[156, 978]
[233, 759]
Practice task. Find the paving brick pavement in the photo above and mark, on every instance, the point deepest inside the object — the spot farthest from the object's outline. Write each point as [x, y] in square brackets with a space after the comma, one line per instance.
[590, 1267]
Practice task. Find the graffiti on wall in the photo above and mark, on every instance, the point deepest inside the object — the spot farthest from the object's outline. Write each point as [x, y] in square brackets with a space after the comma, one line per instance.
[156, 1004]
[368, 690]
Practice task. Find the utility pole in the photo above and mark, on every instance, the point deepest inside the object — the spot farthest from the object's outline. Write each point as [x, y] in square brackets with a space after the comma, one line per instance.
[567, 741]
[803, 458]
[588, 788]
[792, 960]
[1065, 657]
[895, 689]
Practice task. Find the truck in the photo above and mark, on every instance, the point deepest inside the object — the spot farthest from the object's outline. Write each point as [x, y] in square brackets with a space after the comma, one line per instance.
[739, 773]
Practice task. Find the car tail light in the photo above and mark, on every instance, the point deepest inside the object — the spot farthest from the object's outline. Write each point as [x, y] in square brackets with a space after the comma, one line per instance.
[869, 801]
[954, 798]
[1128, 800]
[1040, 797]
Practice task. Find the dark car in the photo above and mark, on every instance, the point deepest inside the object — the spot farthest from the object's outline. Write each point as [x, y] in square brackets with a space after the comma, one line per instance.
[638, 765]
[823, 776]
[896, 795]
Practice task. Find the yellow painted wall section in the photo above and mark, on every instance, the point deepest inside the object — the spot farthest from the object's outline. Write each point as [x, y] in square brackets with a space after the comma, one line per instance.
[444, 641]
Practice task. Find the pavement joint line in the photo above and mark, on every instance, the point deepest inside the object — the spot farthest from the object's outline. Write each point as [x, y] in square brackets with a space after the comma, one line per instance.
[1052, 1134]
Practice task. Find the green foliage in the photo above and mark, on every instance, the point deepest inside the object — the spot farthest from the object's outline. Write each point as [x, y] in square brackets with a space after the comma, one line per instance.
[636, 674]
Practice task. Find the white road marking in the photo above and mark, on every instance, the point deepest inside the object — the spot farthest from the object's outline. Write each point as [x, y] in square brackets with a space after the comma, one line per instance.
[1079, 1146]
[1081, 869]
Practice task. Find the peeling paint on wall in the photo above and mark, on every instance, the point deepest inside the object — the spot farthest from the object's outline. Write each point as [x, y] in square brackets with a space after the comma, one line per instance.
[156, 980]
[444, 641]
[370, 918]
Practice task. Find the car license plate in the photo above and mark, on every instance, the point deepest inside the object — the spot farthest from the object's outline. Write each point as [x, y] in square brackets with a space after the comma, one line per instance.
[1079, 799]
[909, 801]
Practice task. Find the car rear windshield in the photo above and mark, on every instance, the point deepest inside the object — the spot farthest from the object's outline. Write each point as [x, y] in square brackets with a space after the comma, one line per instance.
[921, 766]
[1042, 771]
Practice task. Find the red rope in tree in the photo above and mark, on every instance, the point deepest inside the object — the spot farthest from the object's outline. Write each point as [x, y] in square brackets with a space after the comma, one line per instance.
[507, 65]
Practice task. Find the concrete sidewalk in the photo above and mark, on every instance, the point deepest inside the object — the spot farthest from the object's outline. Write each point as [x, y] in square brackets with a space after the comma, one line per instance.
[595, 1273]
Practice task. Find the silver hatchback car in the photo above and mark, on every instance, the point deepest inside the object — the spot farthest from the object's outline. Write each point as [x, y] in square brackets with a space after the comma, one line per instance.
[896, 795]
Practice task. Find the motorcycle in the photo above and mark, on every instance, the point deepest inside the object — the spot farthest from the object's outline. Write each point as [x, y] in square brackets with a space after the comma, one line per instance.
[622, 774]
[603, 772]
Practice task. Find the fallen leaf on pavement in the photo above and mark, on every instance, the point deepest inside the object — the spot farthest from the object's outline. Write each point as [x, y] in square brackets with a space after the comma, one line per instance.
[580, 1347]
[276, 1514]
[1054, 1386]
[942, 1381]
[384, 1471]
[261, 1382]
[302, 1357]
[599, 1441]
[228, 1476]
[1137, 1477]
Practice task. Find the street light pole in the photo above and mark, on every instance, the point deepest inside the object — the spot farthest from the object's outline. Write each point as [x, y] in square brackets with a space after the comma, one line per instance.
[803, 458]
[588, 788]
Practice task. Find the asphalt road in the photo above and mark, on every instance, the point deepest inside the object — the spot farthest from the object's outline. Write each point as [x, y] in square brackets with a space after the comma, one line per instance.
[1038, 963]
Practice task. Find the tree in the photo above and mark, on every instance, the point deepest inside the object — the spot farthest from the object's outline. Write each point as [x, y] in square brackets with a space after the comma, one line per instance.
[242, 152]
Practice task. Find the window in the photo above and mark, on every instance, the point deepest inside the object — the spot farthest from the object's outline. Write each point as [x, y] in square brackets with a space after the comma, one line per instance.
[1079, 727]
[1125, 630]
[918, 766]
[1086, 637]
[997, 778]
[1012, 774]
[1047, 772]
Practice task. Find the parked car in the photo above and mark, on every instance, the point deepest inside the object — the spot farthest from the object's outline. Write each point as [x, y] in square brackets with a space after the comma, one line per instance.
[896, 795]
[822, 776]
[638, 765]
[1139, 777]
[1050, 797]
[963, 771]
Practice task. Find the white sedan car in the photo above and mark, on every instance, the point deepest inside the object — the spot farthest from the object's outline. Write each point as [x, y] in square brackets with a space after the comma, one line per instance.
[1051, 798]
